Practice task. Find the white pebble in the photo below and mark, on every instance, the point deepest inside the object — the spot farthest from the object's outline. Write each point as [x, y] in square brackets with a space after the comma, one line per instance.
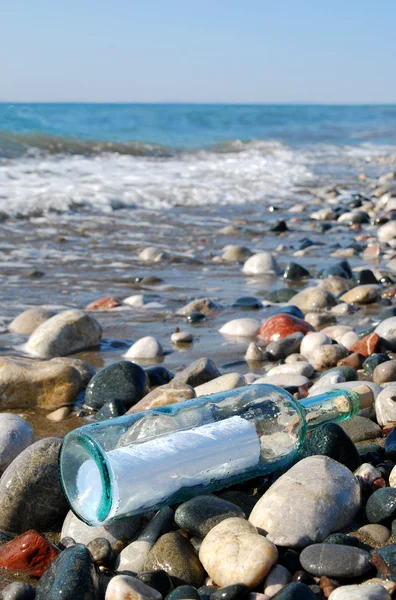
[360, 592]
[385, 406]
[125, 587]
[181, 337]
[15, 435]
[349, 339]
[296, 368]
[245, 327]
[260, 263]
[311, 341]
[145, 348]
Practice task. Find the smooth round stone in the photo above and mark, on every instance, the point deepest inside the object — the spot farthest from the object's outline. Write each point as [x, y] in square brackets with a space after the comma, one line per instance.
[71, 575]
[295, 591]
[234, 552]
[387, 313]
[123, 380]
[288, 309]
[312, 341]
[195, 317]
[390, 445]
[297, 368]
[206, 591]
[392, 478]
[365, 277]
[101, 550]
[181, 337]
[110, 410]
[336, 285]
[158, 375]
[124, 587]
[360, 429]
[259, 264]
[151, 254]
[336, 270]
[368, 472]
[349, 340]
[336, 332]
[224, 383]
[362, 294]
[145, 348]
[248, 303]
[308, 519]
[330, 377]
[66, 542]
[235, 253]
[295, 272]
[163, 395]
[241, 327]
[15, 435]
[199, 515]
[200, 305]
[238, 591]
[283, 347]
[314, 299]
[327, 356]
[381, 506]
[378, 533]
[319, 320]
[387, 332]
[60, 414]
[385, 372]
[286, 381]
[372, 362]
[387, 232]
[30, 483]
[183, 592]
[82, 533]
[360, 592]
[353, 217]
[332, 441]
[276, 580]
[18, 591]
[348, 373]
[342, 539]
[158, 580]
[198, 372]
[388, 554]
[65, 333]
[281, 326]
[280, 295]
[26, 322]
[334, 560]
[292, 358]
[175, 555]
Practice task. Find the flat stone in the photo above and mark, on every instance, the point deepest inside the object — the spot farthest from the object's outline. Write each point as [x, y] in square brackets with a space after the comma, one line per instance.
[332, 441]
[387, 332]
[199, 515]
[327, 356]
[385, 372]
[145, 348]
[71, 575]
[198, 372]
[124, 529]
[281, 326]
[360, 429]
[181, 337]
[314, 299]
[27, 383]
[297, 368]
[233, 552]
[388, 555]
[334, 560]
[15, 435]
[326, 498]
[283, 347]
[235, 253]
[284, 380]
[362, 294]
[259, 264]
[29, 553]
[170, 393]
[125, 587]
[122, 380]
[175, 555]
[378, 533]
[241, 327]
[27, 321]
[105, 303]
[360, 592]
[248, 303]
[151, 254]
[30, 483]
[224, 383]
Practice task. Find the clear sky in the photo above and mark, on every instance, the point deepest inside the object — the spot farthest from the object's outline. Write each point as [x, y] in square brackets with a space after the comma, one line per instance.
[325, 51]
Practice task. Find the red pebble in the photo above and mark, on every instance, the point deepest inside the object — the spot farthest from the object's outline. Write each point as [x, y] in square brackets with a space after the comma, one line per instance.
[101, 303]
[367, 345]
[30, 552]
[281, 325]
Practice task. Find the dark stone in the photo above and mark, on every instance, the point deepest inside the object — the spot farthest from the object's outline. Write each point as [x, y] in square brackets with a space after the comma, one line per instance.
[385, 469]
[295, 591]
[390, 445]
[30, 491]
[387, 314]
[348, 373]
[365, 276]
[343, 540]
[101, 551]
[366, 331]
[123, 380]
[4, 537]
[332, 441]
[158, 375]
[206, 591]
[195, 317]
[371, 453]
[110, 410]
[303, 577]
[237, 591]
[335, 270]
[71, 575]
[388, 556]
[323, 227]
[372, 362]
[66, 542]
[198, 372]
[244, 501]
[360, 429]
[344, 264]
[184, 592]
[284, 347]
[158, 580]
[290, 559]
[358, 217]
[280, 295]
[248, 302]
[381, 506]
[199, 515]
[287, 310]
[279, 227]
[334, 560]
[295, 272]
[18, 591]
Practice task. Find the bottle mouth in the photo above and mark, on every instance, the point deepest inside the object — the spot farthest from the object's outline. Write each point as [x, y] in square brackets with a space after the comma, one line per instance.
[85, 478]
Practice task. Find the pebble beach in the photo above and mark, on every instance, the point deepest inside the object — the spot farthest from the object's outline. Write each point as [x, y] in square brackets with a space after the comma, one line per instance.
[132, 307]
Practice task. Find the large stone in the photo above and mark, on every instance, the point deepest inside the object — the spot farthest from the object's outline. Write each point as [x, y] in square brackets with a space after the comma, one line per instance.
[313, 299]
[199, 515]
[281, 326]
[198, 372]
[145, 348]
[30, 491]
[385, 372]
[245, 327]
[27, 321]
[15, 435]
[63, 334]
[385, 406]
[71, 575]
[49, 384]
[381, 506]
[314, 498]
[332, 441]
[30, 553]
[335, 560]
[365, 591]
[122, 380]
[387, 332]
[234, 552]
[74, 528]
[175, 555]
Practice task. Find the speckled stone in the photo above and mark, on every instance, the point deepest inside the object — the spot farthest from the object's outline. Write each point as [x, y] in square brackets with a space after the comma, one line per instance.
[327, 356]
[122, 380]
[381, 506]
[334, 560]
[199, 515]
[378, 533]
[170, 393]
[360, 429]
[30, 483]
[332, 441]
[101, 550]
[175, 555]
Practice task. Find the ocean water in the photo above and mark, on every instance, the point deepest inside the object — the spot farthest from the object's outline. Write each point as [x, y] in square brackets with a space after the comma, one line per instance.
[103, 157]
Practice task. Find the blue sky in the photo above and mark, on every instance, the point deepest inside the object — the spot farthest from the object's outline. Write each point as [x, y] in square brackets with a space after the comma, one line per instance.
[308, 51]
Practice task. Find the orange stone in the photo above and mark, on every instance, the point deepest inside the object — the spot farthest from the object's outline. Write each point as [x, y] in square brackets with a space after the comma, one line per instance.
[367, 345]
[281, 325]
[103, 303]
[30, 553]
[354, 360]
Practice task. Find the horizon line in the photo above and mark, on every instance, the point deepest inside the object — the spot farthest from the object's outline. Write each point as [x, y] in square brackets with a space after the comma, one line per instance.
[198, 103]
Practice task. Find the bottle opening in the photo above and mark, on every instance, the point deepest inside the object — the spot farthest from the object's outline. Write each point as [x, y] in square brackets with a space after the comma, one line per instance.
[85, 478]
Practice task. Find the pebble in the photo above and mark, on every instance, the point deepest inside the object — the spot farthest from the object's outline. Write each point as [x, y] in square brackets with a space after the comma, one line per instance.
[198, 372]
[295, 272]
[368, 472]
[30, 482]
[248, 303]
[195, 317]
[15, 435]
[110, 410]
[71, 575]
[360, 592]
[361, 428]
[276, 580]
[336, 332]
[284, 380]
[235, 253]
[237, 591]
[125, 587]
[335, 560]
[336, 285]
[392, 478]
[181, 337]
[309, 518]
[332, 441]
[151, 254]
[362, 294]
[387, 232]
[158, 375]
[349, 340]
[59, 414]
[233, 552]
[385, 372]
[254, 353]
[259, 264]
[387, 332]
[82, 533]
[381, 506]
[297, 368]
[224, 383]
[163, 395]
[295, 591]
[390, 445]
[314, 299]
[18, 591]
[312, 341]
[281, 326]
[101, 550]
[388, 555]
[326, 357]
[280, 295]
[122, 380]
[378, 533]
[288, 309]
[29, 553]
[283, 347]
[241, 327]
[147, 347]
[105, 303]
[158, 580]
[202, 305]
[199, 515]
[65, 333]
[174, 554]
[372, 362]
[27, 321]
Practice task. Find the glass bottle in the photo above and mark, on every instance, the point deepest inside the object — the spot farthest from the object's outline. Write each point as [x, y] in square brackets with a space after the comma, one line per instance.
[146, 460]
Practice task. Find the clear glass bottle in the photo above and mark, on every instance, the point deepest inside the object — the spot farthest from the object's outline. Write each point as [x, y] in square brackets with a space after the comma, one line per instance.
[144, 461]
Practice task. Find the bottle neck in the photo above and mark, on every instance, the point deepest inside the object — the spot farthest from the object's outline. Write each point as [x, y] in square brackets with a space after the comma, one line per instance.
[335, 406]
